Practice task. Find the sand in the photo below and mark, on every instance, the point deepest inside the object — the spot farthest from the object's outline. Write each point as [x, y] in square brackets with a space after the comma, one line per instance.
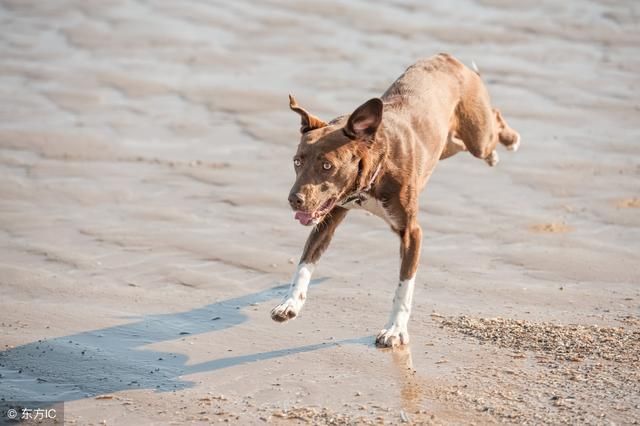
[145, 155]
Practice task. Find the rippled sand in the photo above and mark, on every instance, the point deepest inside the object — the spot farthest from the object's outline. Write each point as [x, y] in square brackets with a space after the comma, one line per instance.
[145, 152]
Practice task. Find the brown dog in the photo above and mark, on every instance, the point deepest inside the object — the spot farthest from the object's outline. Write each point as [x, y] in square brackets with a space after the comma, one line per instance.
[379, 158]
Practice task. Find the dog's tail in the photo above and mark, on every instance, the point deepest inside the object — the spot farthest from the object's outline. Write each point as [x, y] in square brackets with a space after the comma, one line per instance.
[474, 67]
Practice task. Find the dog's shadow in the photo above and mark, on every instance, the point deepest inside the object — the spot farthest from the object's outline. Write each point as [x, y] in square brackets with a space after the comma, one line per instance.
[112, 359]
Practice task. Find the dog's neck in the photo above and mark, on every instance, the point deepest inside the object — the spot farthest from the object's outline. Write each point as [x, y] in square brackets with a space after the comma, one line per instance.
[364, 181]
[359, 193]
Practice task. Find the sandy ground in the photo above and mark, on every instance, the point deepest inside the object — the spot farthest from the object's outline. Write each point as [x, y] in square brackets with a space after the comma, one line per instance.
[145, 156]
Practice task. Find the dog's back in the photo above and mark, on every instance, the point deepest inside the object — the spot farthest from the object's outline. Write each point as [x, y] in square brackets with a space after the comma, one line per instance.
[428, 83]
[449, 110]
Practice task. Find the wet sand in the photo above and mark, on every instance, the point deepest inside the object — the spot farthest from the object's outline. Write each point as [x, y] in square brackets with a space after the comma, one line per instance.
[145, 154]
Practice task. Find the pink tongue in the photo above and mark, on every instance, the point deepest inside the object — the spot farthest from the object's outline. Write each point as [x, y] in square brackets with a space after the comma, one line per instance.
[304, 218]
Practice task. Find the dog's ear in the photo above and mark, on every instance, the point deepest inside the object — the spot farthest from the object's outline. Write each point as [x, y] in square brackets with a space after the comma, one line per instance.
[364, 121]
[307, 121]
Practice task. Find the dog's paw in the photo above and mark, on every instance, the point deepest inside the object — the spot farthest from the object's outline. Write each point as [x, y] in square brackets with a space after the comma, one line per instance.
[515, 145]
[493, 159]
[393, 336]
[287, 310]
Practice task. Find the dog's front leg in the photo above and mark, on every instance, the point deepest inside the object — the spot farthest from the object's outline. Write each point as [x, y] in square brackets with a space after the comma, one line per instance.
[395, 332]
[317, 243]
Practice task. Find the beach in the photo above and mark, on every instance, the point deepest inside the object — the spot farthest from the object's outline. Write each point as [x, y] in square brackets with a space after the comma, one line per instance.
[146, 157]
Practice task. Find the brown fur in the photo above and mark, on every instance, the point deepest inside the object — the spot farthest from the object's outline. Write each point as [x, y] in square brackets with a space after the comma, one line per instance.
[435, 109]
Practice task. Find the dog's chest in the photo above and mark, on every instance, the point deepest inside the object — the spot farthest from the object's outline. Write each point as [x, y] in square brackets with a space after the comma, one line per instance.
[371, 205]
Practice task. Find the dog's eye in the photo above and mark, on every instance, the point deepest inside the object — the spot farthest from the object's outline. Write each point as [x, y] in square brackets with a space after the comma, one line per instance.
[327, 165]
[297, 162]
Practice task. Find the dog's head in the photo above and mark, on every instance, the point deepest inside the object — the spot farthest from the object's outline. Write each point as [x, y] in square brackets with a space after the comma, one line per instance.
[329, 160]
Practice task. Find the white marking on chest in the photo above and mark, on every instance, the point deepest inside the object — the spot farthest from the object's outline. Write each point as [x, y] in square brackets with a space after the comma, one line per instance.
[373, 206]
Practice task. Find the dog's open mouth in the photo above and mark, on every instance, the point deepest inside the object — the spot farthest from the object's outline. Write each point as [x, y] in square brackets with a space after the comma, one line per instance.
[307, 218]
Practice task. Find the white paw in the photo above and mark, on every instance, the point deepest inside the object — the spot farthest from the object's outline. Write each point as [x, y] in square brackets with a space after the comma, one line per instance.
[287, 310]
[395, 335]
[514, 146]
[493, 159]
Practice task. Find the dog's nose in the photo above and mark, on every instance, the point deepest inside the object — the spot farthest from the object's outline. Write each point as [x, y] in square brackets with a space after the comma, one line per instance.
[296, 200]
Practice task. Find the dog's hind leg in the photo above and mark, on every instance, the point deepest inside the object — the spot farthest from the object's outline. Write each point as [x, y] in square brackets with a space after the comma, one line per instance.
[454, 145]
[396, 332]
[317, 243]
[476, 121]
[476, 129]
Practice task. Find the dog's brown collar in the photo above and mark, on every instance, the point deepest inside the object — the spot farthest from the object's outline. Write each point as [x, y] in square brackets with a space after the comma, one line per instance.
[358, 196]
